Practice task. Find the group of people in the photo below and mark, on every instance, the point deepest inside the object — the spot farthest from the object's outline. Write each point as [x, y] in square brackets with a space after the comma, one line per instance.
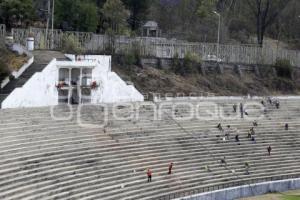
[149, 172]
[271, 102]
[227, 132]
[242, 110]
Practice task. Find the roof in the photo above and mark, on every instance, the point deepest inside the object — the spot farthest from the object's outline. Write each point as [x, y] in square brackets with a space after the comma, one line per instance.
[150, 24]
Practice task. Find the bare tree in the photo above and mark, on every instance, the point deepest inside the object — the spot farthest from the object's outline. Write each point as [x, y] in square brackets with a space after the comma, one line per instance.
[265, 13]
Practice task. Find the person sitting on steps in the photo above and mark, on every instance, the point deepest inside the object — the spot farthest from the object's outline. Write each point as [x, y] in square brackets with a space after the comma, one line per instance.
[253, 139]
[223, 161]
[249, 135]
[234, 108]
[255, 123]
[237, 139]
[207, 168]
[252, 131]
[277, 104]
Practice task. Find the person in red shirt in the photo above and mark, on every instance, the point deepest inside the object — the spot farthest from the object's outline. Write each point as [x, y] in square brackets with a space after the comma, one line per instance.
[149, 174]
[170, 168]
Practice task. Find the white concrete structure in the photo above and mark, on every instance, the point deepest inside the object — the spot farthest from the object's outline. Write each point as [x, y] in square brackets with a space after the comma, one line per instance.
[86, 79]
[30, 44]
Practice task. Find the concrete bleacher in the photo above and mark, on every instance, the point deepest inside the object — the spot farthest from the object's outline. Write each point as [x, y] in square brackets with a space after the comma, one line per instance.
[42, 158]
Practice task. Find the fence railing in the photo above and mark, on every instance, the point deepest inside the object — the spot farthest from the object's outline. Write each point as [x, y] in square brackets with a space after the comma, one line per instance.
[158, 47]
[234, 183]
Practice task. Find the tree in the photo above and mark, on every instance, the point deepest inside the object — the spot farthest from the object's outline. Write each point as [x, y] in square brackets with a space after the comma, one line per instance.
[139, 11]
[88, 17]
[224, 7]
[265, 13]
[116, 15]
[77, 15]
[16, 12]
[205, 8]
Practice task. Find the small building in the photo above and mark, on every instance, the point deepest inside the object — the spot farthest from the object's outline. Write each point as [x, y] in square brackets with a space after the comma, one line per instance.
[151, 29]
[83, 79]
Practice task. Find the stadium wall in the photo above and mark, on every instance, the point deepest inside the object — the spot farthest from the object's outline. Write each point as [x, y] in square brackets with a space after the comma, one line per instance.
[247, 190]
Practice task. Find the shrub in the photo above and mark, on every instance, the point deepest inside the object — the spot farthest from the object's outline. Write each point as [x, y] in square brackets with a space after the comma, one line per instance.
[176, 64]
[283, 68]
[129, 57]
[191, 64]
[71, 44]
[132, 56]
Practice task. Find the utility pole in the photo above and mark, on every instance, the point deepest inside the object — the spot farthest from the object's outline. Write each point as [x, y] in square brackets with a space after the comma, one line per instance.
[52, 26]
[219, 31]
[48, 21]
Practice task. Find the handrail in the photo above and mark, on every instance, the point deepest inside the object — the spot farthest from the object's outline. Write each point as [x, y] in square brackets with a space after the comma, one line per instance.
[234, 183]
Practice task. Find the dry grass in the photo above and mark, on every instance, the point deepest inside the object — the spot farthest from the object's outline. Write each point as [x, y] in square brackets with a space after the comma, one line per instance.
[15, 62]
[12, 60]
[155, 80]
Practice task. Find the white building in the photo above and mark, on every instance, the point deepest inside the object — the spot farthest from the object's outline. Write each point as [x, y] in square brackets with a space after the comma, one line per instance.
[83, 80]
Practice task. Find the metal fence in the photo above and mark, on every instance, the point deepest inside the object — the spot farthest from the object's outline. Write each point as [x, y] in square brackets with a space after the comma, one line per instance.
[157, 47]
[235, 183]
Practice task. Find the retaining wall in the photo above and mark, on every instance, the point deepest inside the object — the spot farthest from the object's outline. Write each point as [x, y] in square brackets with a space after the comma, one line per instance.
[247, 190]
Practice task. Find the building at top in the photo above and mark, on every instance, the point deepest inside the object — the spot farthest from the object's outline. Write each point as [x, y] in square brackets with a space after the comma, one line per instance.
[151, 29]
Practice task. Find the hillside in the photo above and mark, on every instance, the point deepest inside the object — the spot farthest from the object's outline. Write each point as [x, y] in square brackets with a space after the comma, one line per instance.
[149, 79]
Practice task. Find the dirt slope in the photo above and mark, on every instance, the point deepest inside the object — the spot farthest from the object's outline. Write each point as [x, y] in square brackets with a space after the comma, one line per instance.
[149, 79]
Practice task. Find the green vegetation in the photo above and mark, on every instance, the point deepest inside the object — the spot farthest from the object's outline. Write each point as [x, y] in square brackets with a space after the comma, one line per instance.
[190, 64]
[290, 197]
[16, 12]
[243, 21]
[71, 45]
[9, 61]
[284, 68]
[116, 15]
[130, 57]
[77, 15]
[139, 10]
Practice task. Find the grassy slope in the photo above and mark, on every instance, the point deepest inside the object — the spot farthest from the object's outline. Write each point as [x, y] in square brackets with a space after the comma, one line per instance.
[10, 61]
[291, 195]
[160, 81]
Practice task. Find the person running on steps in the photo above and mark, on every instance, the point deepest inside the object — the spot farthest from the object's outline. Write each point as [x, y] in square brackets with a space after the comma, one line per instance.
[149, 174]
[247, 166]
[269, 150]
[170, 168]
